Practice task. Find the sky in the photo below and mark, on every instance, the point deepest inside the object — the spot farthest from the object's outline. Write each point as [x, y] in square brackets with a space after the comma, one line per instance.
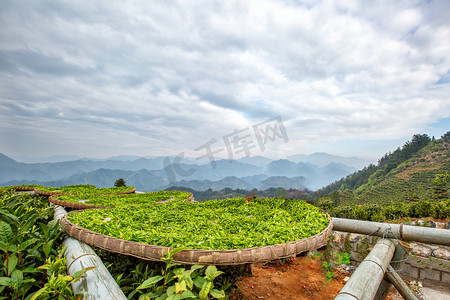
[235, 78]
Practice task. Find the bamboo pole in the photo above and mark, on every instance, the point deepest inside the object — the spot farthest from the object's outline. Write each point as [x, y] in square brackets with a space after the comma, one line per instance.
[96, 283]
[399, 284]
[364, 282]
[395, 231]
[402, 251]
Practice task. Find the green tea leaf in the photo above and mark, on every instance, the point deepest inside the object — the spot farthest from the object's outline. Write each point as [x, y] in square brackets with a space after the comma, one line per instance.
[180, 287]
[217, 294]
[211, 272]
[149, 282]
[3, 246]
[47, 247]
[206, 287]
[38, 293]
[27, 243]
[198, 281]
[5, 232]
[5, 281]
[17, 277]
[188, 294]
[189, 282]
[174, 297]
[77, 275]
[12, 263]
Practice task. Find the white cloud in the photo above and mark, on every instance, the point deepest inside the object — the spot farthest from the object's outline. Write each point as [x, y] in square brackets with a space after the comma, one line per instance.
[160, 78]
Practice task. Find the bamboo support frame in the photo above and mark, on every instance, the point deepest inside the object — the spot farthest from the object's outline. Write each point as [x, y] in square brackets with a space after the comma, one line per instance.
[364, 283]
[96, 283]
[402, 251]
[397, 281]
[395, 231]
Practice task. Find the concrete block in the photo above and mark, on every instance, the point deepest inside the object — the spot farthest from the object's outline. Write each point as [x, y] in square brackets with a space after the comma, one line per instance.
[430, 274]
[410, 271]
[429, 263]
[445, 277]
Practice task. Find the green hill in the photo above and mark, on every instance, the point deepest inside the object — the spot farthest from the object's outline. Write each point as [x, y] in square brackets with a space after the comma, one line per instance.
[415, 175]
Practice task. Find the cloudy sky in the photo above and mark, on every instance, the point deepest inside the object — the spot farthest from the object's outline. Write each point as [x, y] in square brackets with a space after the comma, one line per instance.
[103, 78]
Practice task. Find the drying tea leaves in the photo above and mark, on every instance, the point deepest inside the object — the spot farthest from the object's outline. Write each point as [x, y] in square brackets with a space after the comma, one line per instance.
[217, 225]
[127, 199]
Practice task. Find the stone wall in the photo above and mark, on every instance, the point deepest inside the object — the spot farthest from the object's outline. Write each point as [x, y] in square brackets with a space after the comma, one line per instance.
[425, 262]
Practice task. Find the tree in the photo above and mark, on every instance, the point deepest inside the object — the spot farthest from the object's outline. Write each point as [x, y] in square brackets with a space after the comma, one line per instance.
[120, 182]
[446, 136]
[440, 183]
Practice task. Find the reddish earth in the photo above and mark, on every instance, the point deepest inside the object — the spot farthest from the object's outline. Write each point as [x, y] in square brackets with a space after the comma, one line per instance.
[299, 278]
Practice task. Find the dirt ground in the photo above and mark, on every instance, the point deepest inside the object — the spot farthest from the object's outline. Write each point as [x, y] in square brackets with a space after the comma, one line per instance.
[299, 278]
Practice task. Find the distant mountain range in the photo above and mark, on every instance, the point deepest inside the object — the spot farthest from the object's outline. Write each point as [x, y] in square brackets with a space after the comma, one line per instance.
[150, 174]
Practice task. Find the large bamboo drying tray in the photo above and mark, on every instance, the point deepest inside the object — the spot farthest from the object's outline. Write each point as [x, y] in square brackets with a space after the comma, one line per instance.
[74, 205]
[197, 256]
[55, 194]
[47, 193]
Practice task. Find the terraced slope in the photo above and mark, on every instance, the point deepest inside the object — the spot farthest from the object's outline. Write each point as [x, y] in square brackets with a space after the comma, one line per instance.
[411, 180]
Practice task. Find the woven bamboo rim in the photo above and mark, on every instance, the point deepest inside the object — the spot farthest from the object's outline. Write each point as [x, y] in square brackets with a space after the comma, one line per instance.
[73, 205]
[81, 206]
[23, 188]
[198, 256]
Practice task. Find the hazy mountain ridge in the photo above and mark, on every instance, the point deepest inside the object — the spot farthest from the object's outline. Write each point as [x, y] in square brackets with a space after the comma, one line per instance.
[148, 173]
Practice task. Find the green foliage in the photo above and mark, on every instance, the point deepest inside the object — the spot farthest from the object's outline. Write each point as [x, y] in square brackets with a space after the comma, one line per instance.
[30, 238]
[179, 282]
[120, 182]
[326, 203]
[329, 275]
[58, 282]
[219, 224]
[327, 267]
[372, 175]
[440, 186]
[130, 272]
[344, 258]
[375, 212]
[412, 181]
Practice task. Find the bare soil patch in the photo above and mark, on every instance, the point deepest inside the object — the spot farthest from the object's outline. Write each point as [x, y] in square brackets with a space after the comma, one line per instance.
[299, 278]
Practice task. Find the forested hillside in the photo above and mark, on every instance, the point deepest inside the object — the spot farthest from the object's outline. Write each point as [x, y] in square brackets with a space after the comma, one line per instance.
[414, 179]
